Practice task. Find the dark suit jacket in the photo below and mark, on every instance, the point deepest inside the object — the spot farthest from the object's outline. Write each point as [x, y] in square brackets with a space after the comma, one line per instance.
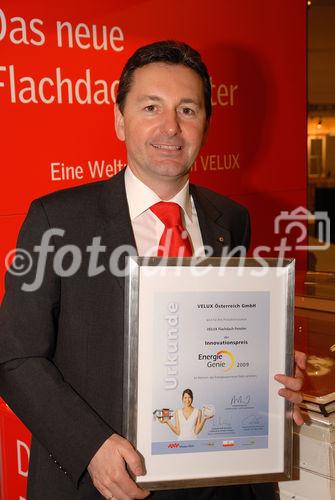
[61, 347]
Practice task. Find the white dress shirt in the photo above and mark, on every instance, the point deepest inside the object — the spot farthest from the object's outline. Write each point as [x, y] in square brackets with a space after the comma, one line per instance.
[147, 227]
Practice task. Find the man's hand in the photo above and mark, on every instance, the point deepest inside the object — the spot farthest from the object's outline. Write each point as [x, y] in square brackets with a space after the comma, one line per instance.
[108, 470]
[293, 385]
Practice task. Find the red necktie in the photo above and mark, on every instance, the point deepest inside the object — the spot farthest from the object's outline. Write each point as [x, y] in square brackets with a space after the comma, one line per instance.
[174, 241]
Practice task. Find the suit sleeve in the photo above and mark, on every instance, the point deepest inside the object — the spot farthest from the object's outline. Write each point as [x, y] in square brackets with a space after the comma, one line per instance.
[30, 382]
[246, 233]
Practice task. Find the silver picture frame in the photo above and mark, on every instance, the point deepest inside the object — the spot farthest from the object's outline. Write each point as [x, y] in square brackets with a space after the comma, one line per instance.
[265, 456]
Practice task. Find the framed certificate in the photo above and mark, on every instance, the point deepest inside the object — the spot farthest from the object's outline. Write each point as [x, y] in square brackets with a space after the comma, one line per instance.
[204, 339]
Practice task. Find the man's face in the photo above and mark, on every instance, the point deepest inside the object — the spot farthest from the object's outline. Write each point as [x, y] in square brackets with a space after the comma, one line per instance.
[164, 121]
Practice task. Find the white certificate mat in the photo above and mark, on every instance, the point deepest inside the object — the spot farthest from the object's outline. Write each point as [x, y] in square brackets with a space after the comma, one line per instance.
[218, 334]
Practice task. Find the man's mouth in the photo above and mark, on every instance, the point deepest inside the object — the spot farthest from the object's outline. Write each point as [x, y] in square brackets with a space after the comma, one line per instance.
[167, 147]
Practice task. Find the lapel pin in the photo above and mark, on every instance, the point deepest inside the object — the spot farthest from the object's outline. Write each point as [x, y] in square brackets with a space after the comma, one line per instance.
[221, 239]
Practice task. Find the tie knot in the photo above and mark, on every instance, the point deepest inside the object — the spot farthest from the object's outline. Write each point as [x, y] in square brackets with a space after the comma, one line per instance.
[168, 212]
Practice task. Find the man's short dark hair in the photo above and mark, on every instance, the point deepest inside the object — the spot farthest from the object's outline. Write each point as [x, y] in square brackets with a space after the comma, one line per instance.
[169, 52]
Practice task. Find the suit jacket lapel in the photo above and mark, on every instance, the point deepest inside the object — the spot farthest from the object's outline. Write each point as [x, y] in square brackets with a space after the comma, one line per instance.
[116, 228]
[212, 224]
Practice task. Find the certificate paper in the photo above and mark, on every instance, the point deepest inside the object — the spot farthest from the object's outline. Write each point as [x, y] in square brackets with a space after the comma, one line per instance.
[217, 340]
[203, 343]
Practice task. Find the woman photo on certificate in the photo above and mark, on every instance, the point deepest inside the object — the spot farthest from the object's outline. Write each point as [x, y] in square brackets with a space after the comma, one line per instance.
[189, 421]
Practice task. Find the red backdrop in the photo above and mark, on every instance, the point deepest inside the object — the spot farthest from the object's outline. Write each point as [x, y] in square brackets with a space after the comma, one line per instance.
[59, 65]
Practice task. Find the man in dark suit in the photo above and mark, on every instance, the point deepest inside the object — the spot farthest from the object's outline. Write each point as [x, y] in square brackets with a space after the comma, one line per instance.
[61, 342]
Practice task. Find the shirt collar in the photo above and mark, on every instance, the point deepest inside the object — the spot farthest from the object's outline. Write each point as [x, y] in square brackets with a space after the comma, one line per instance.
[140, 197]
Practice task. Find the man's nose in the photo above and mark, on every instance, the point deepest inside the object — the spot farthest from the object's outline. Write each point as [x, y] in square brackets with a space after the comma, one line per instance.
[170, 123]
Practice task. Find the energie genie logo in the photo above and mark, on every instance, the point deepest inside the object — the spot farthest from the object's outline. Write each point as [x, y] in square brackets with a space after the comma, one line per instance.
[222, 359]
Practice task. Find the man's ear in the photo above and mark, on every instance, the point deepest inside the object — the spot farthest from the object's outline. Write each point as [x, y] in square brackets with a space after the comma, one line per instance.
[119, 123]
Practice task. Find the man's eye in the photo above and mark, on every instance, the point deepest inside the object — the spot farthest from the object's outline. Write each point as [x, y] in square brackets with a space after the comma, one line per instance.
[188, 111]
[150, 108]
